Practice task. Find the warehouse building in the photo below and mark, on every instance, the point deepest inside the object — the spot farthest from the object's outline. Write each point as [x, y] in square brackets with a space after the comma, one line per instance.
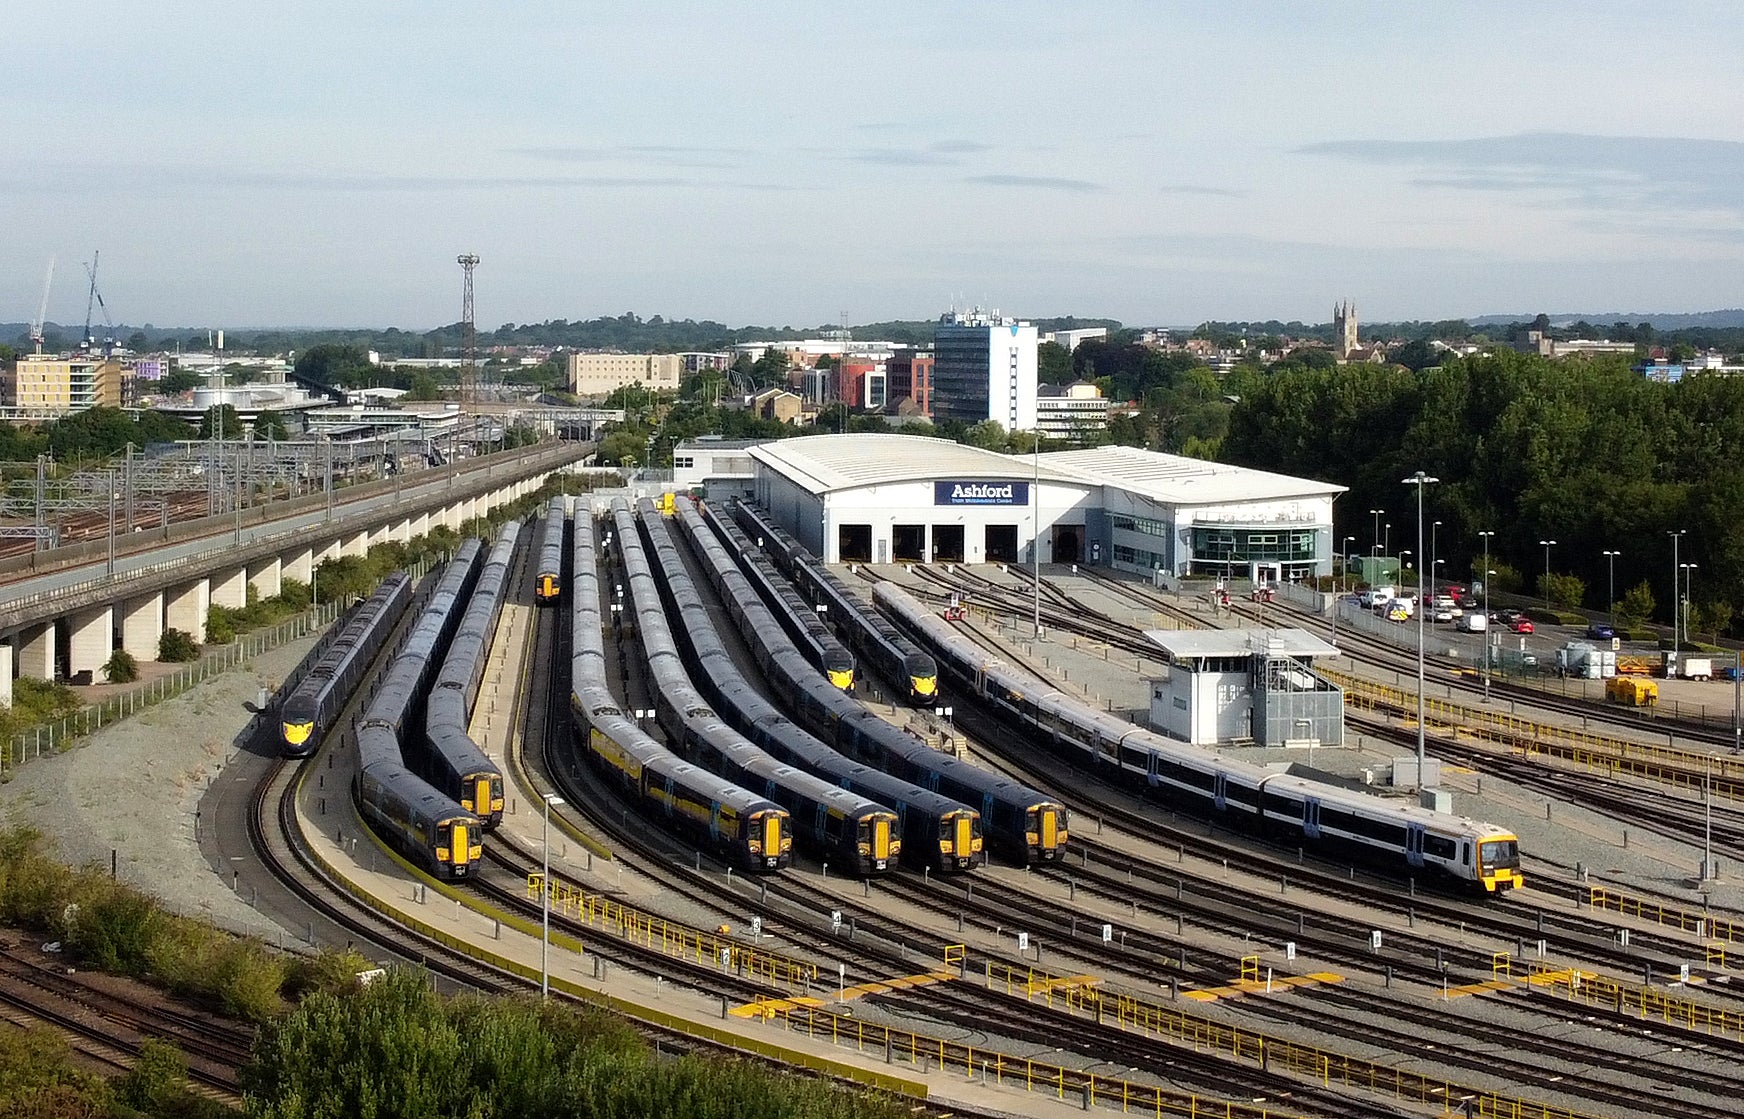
[902, 498]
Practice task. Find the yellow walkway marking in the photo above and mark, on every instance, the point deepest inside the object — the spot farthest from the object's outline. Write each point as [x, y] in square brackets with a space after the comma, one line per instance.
[1563, 977]
[1481, 988]
[1279, 985]
[764, 1008]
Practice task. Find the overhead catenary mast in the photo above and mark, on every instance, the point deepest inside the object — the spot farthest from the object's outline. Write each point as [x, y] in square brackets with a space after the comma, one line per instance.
[468, 334]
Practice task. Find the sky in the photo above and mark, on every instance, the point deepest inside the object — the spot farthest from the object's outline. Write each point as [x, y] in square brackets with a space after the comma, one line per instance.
[323, 163]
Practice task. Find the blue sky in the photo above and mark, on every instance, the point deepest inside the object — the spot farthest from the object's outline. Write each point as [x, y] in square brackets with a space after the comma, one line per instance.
[323, 163]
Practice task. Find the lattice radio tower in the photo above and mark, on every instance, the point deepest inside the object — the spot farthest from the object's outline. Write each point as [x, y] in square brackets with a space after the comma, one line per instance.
[468, 335]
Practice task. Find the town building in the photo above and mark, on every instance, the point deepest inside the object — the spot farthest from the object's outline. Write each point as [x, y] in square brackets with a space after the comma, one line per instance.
[984, 368]
[54, 385]
[603, 374]
[903, 498]
[1070, 338]
[1344, 340]
[861, 383]
[910, 377]
[1074, 413]
[713, 466]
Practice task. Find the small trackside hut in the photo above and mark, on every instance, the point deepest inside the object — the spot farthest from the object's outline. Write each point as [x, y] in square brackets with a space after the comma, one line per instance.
[1245, 687]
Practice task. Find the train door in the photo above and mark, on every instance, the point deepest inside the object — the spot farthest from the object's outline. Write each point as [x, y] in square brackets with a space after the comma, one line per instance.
[481, 792]
[1414, 844]
[880, 841]
[671, 798]
[1219, 787]
[963, 839]
[458, 854]
[771, 838]
[1151, 769]
[1311, 818]
[1050, 828]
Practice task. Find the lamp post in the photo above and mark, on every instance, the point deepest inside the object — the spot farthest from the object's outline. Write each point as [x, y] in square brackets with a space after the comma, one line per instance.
[1547, 546]
[1420, 479]
[1431, 565]
[1348, 541]
[1689, 575]
[1486, 534]
[1376, 547]
[1387, 540]
[1611, 562]
[545, 902]
[1675, 536]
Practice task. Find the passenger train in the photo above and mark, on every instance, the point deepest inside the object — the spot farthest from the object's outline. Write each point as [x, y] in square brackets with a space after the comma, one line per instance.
[424, 823]
[936, 831]
[788, 608]
[309, 712]
[877, 642]
[448, 758]
[750, 830]
[1025, 825]
[1477, 854]
[855, 833]
[548, 575]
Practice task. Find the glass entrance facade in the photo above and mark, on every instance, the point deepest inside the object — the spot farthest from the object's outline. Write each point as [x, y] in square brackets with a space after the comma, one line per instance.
[1224, 549]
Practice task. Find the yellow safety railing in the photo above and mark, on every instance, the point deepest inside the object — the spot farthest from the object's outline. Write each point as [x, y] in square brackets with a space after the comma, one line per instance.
[927, 1053]
[670, 937]
[1646, 1003]
[1250, 969]
[1671, 916]
[1501, 963]
[1687, 769]
[1205, 1035]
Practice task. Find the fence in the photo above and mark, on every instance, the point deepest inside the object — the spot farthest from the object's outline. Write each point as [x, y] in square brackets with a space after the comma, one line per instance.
[1247, 1046]
[53, 737]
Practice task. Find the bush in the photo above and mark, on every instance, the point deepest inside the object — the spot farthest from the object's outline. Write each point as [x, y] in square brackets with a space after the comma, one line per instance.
[295, 595]
[113, 926]
[246, 978]
[177, 646]
[220, 625]
[121, 668]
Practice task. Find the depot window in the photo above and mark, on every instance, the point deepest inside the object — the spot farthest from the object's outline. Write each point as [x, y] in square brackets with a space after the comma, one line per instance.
[1244, 545]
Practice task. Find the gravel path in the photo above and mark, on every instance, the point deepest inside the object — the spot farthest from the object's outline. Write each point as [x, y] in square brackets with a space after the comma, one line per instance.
[132, 788]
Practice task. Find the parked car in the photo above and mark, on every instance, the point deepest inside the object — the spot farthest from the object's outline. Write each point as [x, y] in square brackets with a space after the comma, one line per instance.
[1521, 624]
[1504, 616]
[1599, 631]
[1474, 622]
[1467, 602]
[1443, 614]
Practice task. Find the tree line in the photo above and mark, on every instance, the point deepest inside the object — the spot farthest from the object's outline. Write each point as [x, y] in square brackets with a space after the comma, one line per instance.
[1585, 454]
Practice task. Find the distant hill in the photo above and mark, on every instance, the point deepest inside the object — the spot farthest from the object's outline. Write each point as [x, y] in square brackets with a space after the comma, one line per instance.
[1731, 318]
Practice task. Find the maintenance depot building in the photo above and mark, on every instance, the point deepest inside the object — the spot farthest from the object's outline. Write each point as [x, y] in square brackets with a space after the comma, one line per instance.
[902, 498]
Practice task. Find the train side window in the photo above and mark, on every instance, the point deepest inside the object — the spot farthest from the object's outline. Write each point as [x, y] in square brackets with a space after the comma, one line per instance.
[1465, 853]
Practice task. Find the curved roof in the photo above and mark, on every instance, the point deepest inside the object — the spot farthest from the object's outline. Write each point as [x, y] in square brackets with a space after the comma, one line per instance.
[1178, 480]
[823, 463]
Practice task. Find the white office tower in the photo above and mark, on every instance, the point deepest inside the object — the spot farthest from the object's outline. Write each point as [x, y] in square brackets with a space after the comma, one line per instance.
[984, 368]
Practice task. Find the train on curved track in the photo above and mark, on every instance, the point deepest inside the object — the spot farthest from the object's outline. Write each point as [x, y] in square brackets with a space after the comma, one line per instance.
[448, 758]
[874, 640]
[841, 827]
[937, 832]
[1025, 825]
[750, 830]
[307, 715]
[1475, 854]
[425, 824]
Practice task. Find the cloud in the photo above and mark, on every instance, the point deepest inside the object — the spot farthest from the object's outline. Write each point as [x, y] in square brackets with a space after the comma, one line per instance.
[902, 157]
[961, 147]
[186, 179]
[662, 155]
[1036, 182]
[1596, 172]
[1209, 192]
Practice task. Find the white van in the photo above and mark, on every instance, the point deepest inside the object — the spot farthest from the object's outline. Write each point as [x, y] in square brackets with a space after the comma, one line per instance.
[1375, 597]
[1471, 622]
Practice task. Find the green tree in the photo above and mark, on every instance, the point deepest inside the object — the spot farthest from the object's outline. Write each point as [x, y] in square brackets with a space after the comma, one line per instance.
[988, 435]
[1053, 364]
[220, 419]
[179, 381]
[1565, 592]
[121, 668]
[332, 365]
[424, 387]
[1636, 605]
[177, 646]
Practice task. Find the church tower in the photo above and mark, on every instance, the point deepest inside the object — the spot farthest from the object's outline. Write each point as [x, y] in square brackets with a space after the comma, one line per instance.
[1343, 330]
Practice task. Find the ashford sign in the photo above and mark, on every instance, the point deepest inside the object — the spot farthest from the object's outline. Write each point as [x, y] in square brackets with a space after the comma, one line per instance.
[980, 493]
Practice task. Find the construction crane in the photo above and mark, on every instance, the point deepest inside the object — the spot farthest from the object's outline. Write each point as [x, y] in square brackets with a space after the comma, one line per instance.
[42, 309]
[97, 298]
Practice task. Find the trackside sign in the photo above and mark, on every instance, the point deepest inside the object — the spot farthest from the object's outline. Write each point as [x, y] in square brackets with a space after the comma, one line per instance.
[980, 493]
